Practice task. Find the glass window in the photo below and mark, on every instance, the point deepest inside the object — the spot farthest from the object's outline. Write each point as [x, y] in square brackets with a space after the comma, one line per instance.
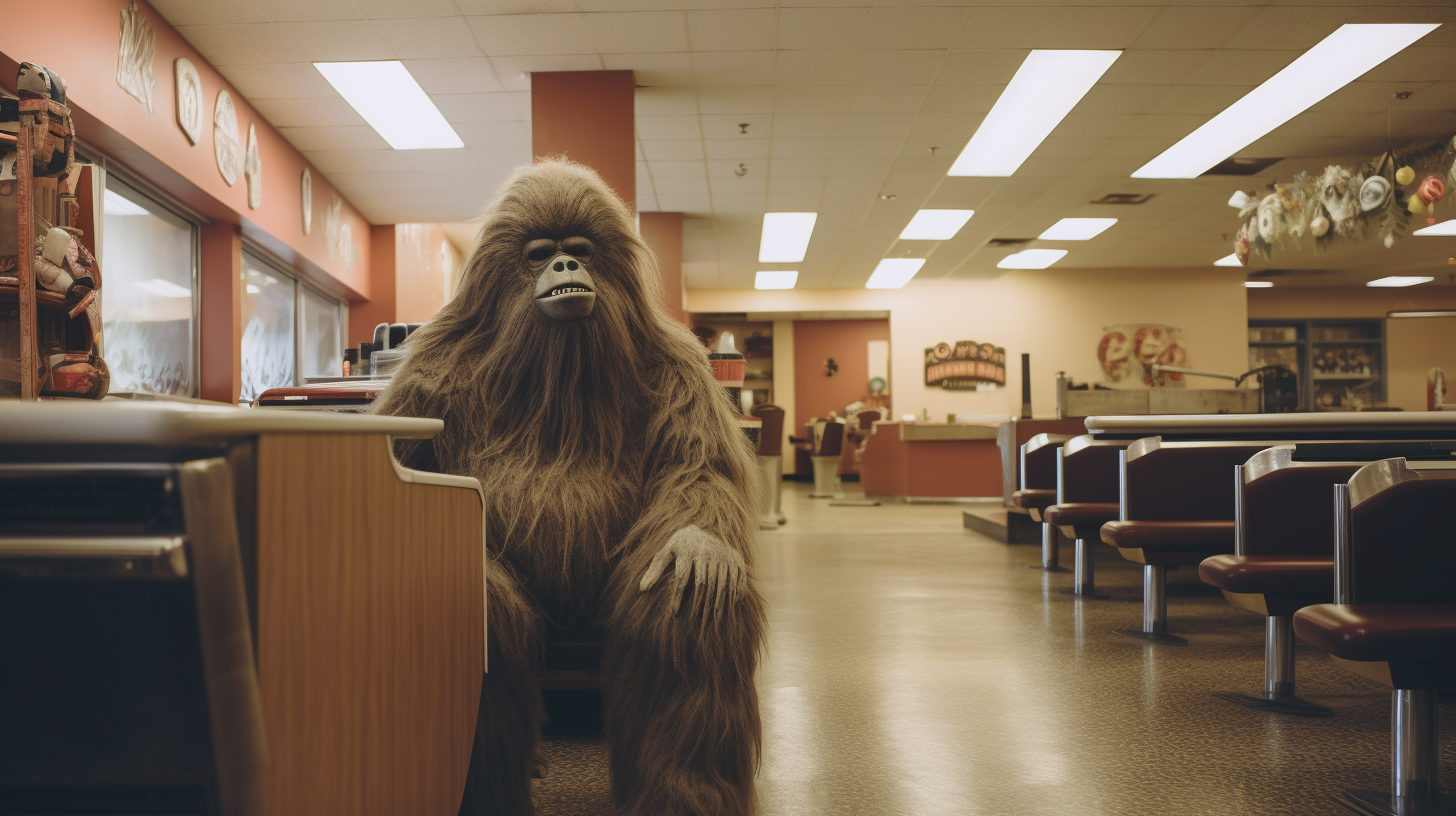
[321, 324]
[268, 329]
[148, 290]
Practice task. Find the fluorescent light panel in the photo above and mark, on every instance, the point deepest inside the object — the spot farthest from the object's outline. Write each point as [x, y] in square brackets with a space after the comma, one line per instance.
[1331, 64]
[392, 102]
[935, 225]
[1045, 89]
[894, 273]
[1077, 229]
[1422, 313]
[775, 279]
[1032, 259]
[1228, 260]
[1443, 228]
[1258, 284]
[785, 236]
[1401, 280]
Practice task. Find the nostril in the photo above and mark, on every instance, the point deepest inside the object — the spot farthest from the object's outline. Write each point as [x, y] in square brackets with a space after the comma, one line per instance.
[572, 265]
[559, 266]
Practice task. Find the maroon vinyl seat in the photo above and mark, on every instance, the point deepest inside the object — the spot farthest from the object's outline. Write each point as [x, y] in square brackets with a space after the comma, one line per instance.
[1034, 499]
[1082, 519]
[1169, 543]
[1270, 575]
[1420, 634]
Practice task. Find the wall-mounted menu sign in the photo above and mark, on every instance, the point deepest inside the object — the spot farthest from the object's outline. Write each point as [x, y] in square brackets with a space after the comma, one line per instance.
[966, 366]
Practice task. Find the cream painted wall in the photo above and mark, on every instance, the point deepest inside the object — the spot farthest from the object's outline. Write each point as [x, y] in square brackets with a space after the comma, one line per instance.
[1055, 315]
[783, 379]
[1412, 345]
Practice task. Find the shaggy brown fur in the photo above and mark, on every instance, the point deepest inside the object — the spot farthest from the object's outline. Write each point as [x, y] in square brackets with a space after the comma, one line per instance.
[597, 441]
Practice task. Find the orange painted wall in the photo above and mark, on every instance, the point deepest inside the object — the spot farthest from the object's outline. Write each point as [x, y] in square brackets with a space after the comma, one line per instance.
[364, 316]
[587, 116]
[425, 269]
[663, 233]
[79, 40]
[815, 395]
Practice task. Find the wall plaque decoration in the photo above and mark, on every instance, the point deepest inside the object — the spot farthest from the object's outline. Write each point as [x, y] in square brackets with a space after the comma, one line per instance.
[1127, 352]
[253, 170]
[967, 366]
[134, 57]
[306, 186]
[225, 138]
[189, 100]
[340, 234]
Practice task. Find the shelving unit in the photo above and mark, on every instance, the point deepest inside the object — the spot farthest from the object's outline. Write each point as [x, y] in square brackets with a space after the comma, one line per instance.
[1341, 363]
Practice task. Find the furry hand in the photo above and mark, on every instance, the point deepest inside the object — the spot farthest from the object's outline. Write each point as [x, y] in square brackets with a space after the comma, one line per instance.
[698, 556]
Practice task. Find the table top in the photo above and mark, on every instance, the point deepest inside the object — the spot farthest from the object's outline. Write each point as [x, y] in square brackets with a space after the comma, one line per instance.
[1427, 423]
[946, 432]
[123, 422]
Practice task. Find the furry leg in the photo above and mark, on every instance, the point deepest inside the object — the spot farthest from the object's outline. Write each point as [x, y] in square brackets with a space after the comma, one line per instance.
[509, 724]
[682, 723]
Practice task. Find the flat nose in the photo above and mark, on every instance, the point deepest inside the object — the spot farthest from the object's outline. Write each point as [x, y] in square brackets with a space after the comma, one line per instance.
[564, 263]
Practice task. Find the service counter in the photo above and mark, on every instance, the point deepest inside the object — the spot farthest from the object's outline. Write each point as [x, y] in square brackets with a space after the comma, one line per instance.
[933, 461]
[339, 601]
[1330, 426]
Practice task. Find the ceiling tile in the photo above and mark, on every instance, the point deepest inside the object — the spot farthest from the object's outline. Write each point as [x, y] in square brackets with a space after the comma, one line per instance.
[668, 127]
[915, 28]
[813, 99]
[358, 161]
[289, 11]
[729, 126]
[888, 98]
[554, 34]
[960, 98]
[677, 170]
[1204, 99]
[242, 44]
[751, 203]
[781, 168]
[350, 183]
[278, 81]
[209, 12]
[515, 72]
[494, 134]
[361, 137]
[1121, 98]
[327, 112]
[1009, 27]
[428, 38]
[724, 182]
[835, 28]
[493, 107]
[750, 29]
[680, 186]
[988, 67]
[1238, 67]
[393, 9]
[736, 149]
[1190, 28]
[1138, 67]
[695, 204]
[866, 148]
[653, 69]
[899, 67]
[678, 149]
[734, 99]
[817, 67]
[877, 125]
[734, 67]
[454, 76]
[666, 101]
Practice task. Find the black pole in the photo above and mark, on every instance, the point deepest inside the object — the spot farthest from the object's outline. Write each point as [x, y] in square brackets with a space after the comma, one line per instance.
[1026, 386]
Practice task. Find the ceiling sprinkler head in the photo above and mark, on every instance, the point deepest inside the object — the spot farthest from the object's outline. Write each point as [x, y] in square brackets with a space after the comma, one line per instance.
[742, 127]
[888, 196]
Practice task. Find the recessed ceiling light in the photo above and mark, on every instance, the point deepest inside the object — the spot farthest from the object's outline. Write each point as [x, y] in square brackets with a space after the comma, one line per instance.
[1421, 313]
[1032, 259]
[162, 288]
[1077, 229]
[1401, 280]
[114, 204]
[1228, 260]
[392, 102]
[894, 273]
[775, 279]
[785, 236]
[1443, 228]
[1258, 284]
[935, 225]
[1045, 89]
[1331, 64]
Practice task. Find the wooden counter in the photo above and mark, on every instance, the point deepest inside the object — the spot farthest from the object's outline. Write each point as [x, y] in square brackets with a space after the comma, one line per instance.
[934, 461]
[365, 586]
[1365, 425]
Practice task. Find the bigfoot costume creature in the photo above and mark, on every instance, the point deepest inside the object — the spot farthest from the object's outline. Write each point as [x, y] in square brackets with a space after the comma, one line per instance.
[617, 492]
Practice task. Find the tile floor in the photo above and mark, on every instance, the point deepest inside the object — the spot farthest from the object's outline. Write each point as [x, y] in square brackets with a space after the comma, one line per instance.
[914, 668]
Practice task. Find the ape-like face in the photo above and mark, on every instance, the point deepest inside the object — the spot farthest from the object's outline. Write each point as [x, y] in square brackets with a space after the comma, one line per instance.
[564, 287]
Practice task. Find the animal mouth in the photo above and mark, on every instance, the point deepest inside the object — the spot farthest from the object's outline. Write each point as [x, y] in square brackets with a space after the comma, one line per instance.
[564, 291]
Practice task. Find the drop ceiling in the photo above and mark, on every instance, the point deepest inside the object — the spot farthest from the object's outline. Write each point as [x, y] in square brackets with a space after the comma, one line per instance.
[853, 110]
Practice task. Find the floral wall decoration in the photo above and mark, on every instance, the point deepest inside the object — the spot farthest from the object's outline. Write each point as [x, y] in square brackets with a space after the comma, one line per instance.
[1375, 201]
[1126, 353]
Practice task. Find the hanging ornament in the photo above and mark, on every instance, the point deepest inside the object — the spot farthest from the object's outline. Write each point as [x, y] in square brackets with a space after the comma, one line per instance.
[1374, 193]
[1318, 226]
[1431, 191]
[1389, 240]
[1241, 245]
[1415, 206]
[1238, 199]
[1270, 221]
[1405, 175]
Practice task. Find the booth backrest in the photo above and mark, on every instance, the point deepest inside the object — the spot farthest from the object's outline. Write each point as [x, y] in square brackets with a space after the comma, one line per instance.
[1290, 510]
[867, 419]
[828, 437]
[1183, 481]
[771, 437]
[1039, 461]
[1401, 535]
[1089, 470]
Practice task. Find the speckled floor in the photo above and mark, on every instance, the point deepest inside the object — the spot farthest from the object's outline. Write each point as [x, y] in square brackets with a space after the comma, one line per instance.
[918, 668]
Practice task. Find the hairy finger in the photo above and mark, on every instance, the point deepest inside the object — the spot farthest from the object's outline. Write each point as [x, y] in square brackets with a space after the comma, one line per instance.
[682, 571]
[722, 579]
[654, 569]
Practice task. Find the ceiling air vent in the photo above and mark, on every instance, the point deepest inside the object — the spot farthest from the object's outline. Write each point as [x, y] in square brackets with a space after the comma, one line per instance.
[1008, 242]
[1123, 198]
[1241, 167]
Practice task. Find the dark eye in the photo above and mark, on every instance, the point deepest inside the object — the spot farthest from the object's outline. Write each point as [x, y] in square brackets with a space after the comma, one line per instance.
[577, 247]
[540, 249]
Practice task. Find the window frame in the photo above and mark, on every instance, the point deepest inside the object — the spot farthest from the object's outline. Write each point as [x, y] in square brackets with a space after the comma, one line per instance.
[275, 265]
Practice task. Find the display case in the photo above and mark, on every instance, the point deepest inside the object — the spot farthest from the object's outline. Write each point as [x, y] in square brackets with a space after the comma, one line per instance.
[1341, 363]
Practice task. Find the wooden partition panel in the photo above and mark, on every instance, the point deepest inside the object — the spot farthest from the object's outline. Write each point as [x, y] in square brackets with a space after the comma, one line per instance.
[370, 629]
